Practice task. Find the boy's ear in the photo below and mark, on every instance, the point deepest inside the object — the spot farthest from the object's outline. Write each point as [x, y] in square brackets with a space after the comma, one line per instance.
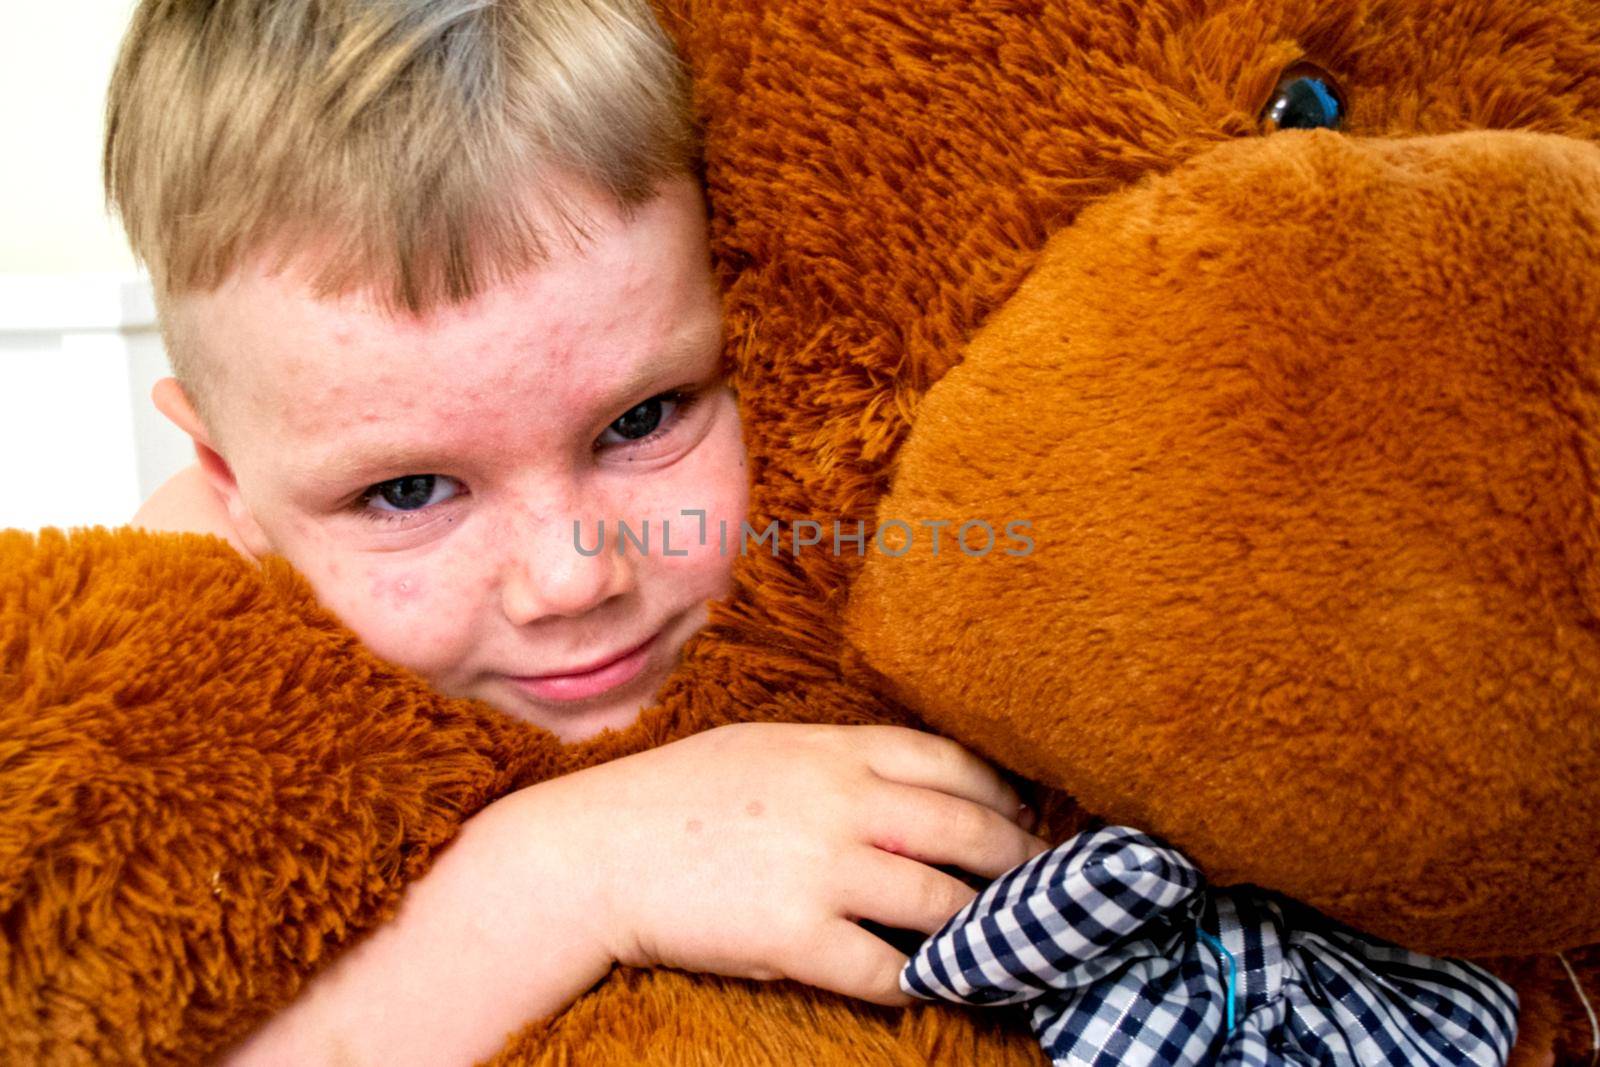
[170, 399]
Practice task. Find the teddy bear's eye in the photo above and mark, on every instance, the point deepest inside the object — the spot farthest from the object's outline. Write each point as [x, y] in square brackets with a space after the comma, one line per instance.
[1306, 98]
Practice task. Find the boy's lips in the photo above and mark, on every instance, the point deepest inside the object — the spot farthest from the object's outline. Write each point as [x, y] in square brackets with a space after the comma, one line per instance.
[592, 679]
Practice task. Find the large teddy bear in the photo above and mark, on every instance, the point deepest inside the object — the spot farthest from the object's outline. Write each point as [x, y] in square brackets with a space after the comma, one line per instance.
[1272, 328]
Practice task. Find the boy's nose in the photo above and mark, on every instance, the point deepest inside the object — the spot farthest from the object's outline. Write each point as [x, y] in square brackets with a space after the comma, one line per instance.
[551, 576]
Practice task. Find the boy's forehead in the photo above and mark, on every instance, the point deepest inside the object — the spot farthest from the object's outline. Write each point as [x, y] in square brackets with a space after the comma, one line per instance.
[584, 323]
[265, 341]
[592, 246]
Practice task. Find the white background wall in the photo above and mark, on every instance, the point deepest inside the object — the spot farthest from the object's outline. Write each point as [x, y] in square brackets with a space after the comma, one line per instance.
[78, 351]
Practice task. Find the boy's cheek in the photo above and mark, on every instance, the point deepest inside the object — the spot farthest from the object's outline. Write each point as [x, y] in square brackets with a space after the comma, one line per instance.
[411, 628]
[704, 505]
[436, 594]
[409, 612]
[399, 591]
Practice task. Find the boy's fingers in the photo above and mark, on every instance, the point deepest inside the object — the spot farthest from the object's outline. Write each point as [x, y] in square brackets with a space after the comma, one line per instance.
[912, 757]
[855, 963]
[933, 827]
[902, 893]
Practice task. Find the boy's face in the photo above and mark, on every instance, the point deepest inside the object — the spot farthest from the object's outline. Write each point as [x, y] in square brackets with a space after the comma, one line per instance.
[425, 474]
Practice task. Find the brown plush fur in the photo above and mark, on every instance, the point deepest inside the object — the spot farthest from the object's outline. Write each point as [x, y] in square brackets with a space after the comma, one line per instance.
[1340, 604]
[886, 176]
[206, 785]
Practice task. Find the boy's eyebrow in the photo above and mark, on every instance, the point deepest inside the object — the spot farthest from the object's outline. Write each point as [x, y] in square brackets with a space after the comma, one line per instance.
[680, 362]
[337, 471]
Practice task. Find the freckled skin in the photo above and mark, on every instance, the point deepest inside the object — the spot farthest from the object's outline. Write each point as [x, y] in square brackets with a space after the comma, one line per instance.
[754, 808]
[510, 396]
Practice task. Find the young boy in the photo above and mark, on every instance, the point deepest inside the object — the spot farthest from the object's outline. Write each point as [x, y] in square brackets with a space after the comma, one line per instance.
[434, 279]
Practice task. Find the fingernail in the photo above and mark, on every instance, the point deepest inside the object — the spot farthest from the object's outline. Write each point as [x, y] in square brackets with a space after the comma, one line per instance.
[1027, 818]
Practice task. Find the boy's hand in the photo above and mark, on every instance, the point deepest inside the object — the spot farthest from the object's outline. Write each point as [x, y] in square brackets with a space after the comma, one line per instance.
[747, 850]
[750, 850]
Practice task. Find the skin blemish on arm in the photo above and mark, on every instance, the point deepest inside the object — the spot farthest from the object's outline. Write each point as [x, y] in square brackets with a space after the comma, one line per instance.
[755, 807]
[694, 826]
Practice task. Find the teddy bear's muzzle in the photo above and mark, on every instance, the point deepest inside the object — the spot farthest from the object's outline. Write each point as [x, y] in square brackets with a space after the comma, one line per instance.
[1304, 437]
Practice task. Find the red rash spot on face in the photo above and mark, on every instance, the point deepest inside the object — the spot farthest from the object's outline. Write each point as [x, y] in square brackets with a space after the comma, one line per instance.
[694, 826]
[754, 808]
[396, 591]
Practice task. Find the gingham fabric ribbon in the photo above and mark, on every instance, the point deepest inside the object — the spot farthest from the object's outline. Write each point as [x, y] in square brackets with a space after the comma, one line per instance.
[1128, 960]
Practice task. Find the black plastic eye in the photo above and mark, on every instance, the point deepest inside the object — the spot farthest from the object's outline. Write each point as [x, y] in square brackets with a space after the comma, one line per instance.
[1306, 98]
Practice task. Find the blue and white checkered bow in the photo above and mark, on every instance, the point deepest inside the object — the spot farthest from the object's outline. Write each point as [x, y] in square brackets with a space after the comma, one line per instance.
[1129, 960]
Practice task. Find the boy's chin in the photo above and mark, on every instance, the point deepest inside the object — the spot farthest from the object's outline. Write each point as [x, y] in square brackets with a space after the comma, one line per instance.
[577, 722]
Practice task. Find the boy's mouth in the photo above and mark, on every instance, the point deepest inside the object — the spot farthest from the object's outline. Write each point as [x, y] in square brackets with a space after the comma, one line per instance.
[591, 679]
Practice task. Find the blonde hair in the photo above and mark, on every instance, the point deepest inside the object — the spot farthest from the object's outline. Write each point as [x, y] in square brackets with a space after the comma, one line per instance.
[395, 139]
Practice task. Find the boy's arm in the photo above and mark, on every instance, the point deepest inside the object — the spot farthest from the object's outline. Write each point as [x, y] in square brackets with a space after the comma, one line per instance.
[498, 932]
[747, 851]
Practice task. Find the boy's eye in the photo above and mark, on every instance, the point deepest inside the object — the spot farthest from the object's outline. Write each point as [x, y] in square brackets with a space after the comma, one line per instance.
[411, 493]
[641, 420]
